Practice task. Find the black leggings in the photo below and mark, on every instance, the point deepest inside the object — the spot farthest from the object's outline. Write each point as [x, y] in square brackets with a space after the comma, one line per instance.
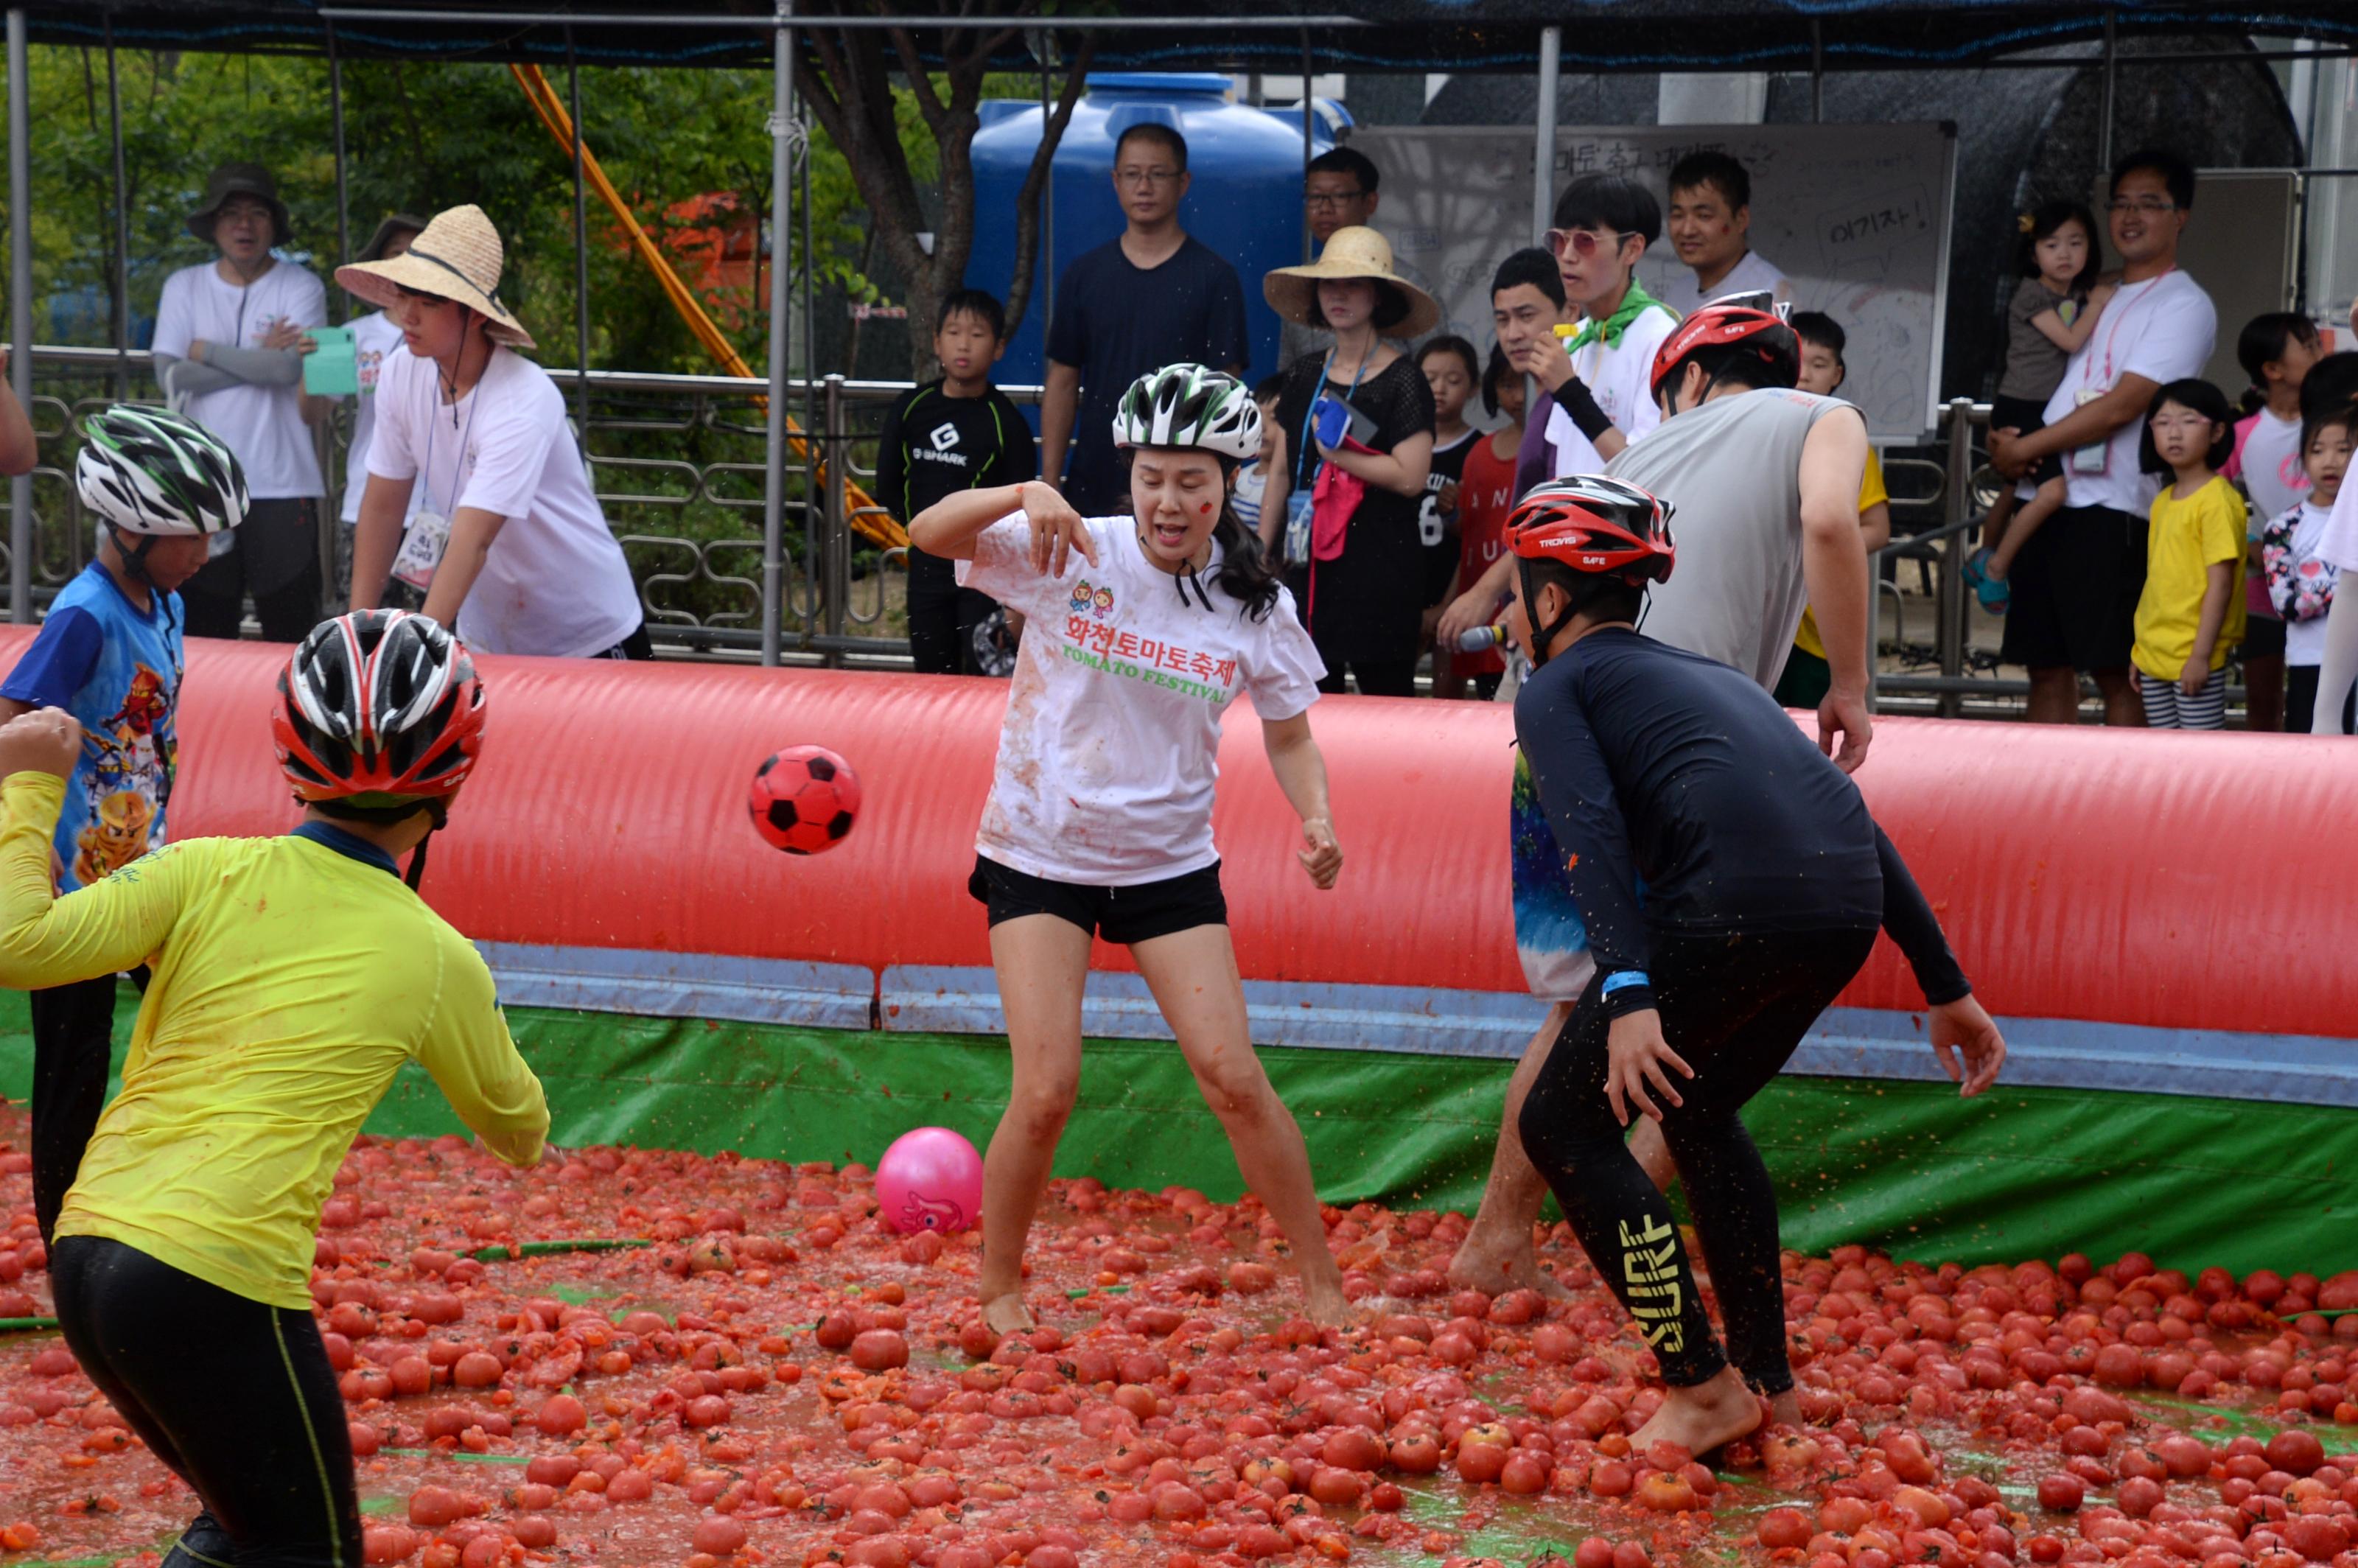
[236, 1397]
[1734, 1008]
[943, 617]
[74, 1027]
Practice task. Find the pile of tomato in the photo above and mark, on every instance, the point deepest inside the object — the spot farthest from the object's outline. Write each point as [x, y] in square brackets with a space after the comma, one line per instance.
[766, 1373]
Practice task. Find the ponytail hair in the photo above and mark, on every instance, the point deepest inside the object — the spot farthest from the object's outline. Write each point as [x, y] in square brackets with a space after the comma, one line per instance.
[1245, 574]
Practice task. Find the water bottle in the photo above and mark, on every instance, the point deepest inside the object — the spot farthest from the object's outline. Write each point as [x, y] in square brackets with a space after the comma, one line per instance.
[1482, 639]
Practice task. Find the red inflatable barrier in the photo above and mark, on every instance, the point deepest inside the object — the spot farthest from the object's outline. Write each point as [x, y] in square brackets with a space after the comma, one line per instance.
[2178, 881]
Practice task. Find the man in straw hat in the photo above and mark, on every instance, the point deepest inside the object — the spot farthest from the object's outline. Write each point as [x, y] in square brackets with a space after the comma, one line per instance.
[508, 543]
[1154, 297]
[1353, 446]
[228, 344]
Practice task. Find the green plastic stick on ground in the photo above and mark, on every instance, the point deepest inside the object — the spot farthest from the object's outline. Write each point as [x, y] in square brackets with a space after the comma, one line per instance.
[551, 1248]
[26, 1324]
[461, 1456]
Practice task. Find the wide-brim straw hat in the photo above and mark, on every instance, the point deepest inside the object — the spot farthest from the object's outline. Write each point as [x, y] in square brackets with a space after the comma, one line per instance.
[458, 257]
[1292, 291]
[240, 179]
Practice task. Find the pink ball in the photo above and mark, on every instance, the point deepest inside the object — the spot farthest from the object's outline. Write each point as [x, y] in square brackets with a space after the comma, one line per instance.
[930, 1179]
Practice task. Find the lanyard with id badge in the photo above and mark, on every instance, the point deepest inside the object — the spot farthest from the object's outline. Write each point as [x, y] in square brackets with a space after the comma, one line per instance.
[2095, 459]
[1329, 417]
[429, 534]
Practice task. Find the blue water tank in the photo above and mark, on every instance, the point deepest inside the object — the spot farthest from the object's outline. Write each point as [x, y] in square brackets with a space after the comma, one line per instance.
[1245, 201]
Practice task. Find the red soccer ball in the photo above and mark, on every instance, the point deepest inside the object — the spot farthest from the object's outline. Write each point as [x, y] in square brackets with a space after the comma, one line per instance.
[805, 799]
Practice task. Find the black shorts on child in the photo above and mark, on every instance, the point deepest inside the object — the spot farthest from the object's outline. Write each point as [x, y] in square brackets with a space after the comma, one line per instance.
[1121, 915]
[2026, 415]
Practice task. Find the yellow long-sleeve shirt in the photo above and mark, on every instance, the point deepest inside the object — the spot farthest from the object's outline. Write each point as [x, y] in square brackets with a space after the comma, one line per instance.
[291, 982]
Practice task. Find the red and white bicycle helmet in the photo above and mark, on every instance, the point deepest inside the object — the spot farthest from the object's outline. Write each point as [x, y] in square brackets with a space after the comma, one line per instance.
[1594, 526]
[1760, 332]
[378, 710]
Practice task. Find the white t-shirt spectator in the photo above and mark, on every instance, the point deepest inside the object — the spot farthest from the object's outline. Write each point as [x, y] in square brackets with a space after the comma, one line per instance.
[1622, 380]
[374, 338]
[2163, 329]
[263, 425]
[1110, 747]
[1754, 273]
[2271, 468]
[555, 581]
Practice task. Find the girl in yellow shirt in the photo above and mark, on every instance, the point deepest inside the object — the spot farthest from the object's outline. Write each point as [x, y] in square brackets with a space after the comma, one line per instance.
[293, 977]
[2192, 610]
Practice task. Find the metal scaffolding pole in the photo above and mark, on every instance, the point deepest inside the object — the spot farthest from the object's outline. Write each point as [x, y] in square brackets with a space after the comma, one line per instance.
[2112, 75]
[1306, 153]
[1817, 71]
[343, 183]
[122, 278]
[1543, 153]
[580, 248]
[773, 482]
[20, 312]
[1044, 268]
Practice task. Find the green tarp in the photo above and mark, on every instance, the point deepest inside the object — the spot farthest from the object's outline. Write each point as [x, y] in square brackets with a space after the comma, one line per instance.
[1907, 1167]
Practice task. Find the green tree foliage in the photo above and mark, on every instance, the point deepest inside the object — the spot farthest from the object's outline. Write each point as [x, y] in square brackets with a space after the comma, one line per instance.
[419, 138]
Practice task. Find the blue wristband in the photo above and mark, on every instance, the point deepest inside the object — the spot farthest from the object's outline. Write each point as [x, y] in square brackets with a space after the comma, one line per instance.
[1623, 979]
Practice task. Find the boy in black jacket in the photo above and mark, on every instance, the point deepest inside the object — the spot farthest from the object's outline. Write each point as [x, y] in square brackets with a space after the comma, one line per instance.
[957, 433]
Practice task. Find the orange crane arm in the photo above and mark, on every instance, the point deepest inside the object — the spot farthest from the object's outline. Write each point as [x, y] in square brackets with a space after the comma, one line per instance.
[867, 516]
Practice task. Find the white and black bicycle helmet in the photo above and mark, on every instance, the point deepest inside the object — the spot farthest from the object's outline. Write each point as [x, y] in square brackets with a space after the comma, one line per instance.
[154, 473]
[1189, 405]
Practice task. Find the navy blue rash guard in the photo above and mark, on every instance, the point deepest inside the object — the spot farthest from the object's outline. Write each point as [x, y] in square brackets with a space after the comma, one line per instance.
[1660, 767]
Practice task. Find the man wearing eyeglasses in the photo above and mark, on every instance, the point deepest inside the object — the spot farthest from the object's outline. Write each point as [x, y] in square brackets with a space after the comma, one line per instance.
[1154, 297]
[1338, 191]
[2076, 583]
[227, 351]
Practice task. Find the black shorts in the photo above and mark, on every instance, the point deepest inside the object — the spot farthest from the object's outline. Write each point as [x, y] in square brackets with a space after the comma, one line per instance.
[2026, 415]
[1120, 915]
[2264, 638]
[2074, 592]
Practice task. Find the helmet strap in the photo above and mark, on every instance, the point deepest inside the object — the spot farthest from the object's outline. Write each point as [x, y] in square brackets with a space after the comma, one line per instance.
[1542, 640]
[441, 818]
[134, 557]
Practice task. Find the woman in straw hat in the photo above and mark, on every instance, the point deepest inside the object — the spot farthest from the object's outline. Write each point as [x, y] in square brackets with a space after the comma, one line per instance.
[229, 336]
[1353, 446]
[508, 542]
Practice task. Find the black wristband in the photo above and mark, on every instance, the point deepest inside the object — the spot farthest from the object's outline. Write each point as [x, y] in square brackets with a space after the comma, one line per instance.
[1574, 398]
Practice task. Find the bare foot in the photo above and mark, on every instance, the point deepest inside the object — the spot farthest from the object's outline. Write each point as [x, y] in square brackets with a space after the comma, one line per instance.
[1323, 1302]
[1702, 1417]
[1785, 1410]
[1007, 1315]
[1495, 1269]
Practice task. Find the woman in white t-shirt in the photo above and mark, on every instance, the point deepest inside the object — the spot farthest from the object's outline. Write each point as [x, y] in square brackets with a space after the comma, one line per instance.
[1140, 632]
[510, 544]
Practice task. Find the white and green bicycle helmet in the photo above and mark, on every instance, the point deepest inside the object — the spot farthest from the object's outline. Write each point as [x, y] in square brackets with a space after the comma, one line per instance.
[1189, 405]
[152, 473]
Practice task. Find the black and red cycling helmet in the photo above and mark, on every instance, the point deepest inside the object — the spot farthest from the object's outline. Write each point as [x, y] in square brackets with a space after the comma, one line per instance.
[379, 713]
[1740, 326]
[1596, 527]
